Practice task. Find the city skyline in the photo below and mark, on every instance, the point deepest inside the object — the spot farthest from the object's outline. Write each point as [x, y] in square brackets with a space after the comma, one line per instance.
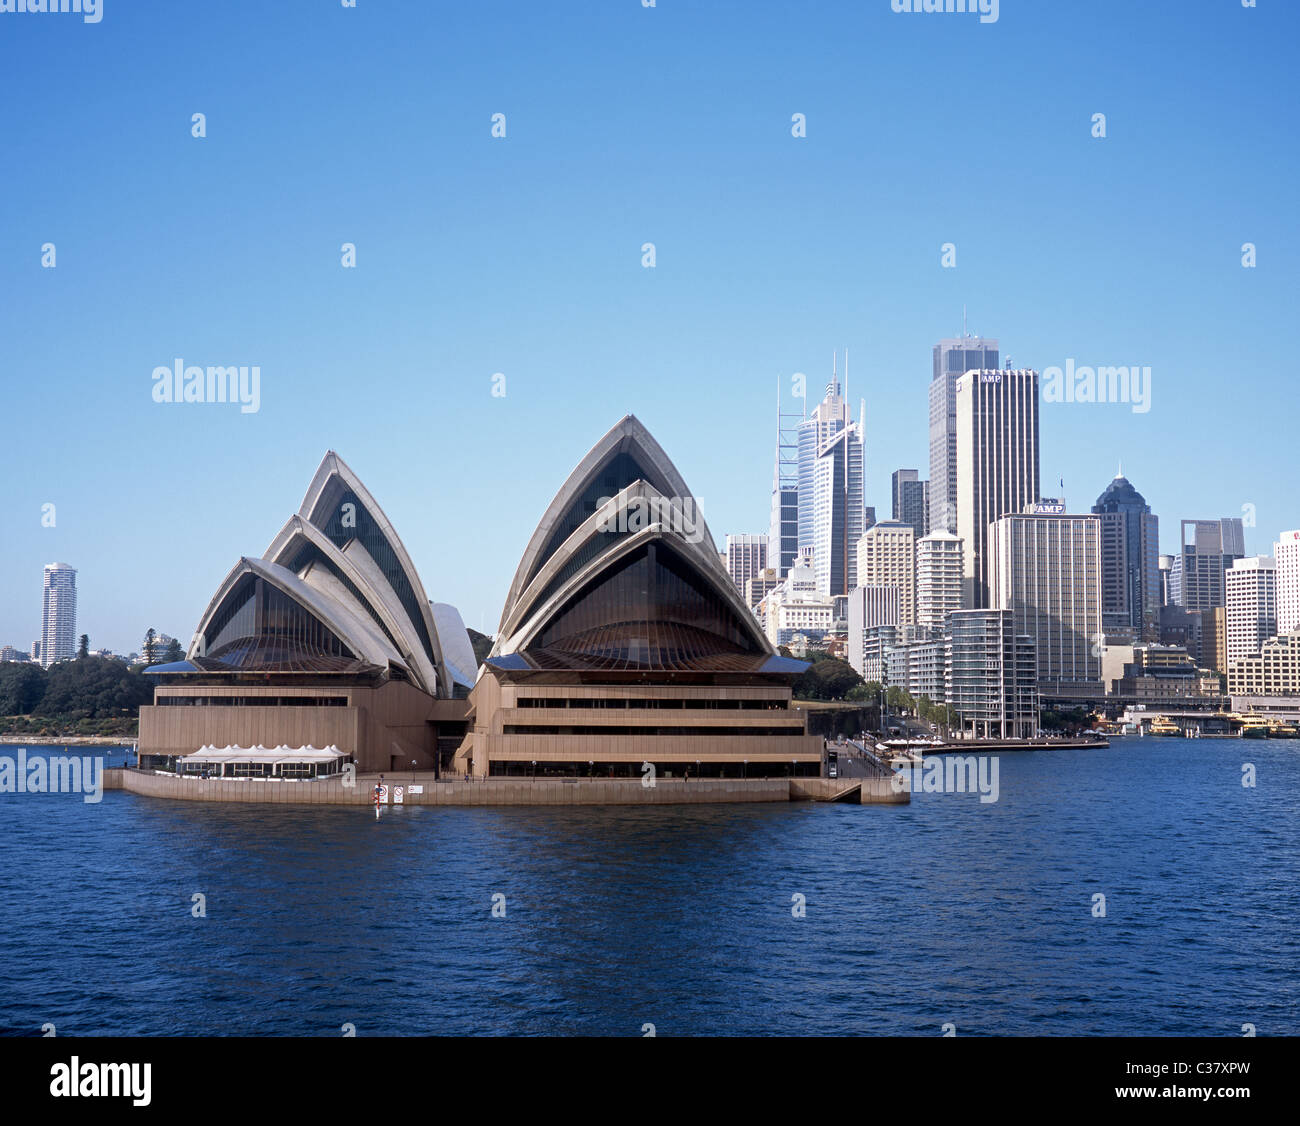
[464, 274]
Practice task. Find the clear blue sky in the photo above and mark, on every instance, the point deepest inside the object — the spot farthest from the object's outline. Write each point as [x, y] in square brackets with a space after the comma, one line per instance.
[625, 125]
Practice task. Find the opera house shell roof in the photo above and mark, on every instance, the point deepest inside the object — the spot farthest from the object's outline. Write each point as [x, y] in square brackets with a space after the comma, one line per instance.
[335, 593]
[623, 577]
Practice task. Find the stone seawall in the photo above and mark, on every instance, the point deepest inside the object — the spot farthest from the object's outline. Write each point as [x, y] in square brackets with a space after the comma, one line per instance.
[503, 791]
[496, 791]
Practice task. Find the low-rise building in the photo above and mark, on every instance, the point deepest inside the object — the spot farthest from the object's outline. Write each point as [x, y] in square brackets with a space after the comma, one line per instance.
[1157, 674]
[1273, 671]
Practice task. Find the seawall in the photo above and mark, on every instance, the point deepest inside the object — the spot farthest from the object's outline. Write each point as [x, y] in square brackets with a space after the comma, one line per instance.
[494, 791]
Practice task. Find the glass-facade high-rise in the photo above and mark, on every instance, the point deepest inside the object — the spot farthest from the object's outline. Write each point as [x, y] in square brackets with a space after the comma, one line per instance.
[951, 360]
[1130, 545]
[911, 500]
[1196, 581]
[832, 513]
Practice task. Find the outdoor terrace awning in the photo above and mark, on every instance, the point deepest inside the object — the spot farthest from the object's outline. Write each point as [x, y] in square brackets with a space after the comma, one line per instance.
[304, 755]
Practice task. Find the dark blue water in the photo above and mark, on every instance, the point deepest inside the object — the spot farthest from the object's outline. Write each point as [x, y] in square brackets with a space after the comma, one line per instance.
[947, 910]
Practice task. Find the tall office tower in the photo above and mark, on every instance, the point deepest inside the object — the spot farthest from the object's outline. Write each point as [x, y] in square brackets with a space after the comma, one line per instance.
[1251, 594]
[1196, 578]
[910, 500]
[1047, 570]
[997, 464]
[783, 526]
[59, 616]
[951, 360]
[887, 557]
[1287, 553]
[938, 578]
[745, 559]
[990, 675]
[1130, 562]
[831, 508]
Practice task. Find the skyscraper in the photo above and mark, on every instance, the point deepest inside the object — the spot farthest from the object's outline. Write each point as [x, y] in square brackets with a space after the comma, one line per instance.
[1287, 553]
[1046, 568]
[59, 614]
[1196, 581]
[1251, 593]
[951, 360]
[783, 523]
[997, 463]
[831, 508]
[1130, 560]
[910, 497]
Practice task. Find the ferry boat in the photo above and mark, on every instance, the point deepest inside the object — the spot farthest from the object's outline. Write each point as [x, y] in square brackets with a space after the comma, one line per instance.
[1254, 727]
[1162, 726]
[1281, 730]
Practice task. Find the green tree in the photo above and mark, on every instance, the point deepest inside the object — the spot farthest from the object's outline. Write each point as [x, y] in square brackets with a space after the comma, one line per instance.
[827, 679]
[21, 687]
[150, 645]
[83, 647]
[96, 688]
[174, 651]
[898, 700]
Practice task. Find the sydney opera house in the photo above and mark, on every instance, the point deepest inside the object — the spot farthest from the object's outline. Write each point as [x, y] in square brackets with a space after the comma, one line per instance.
[623, 642]
[327, 640]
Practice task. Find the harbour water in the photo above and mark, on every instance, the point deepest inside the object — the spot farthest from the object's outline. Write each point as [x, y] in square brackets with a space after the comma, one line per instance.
[799, 919]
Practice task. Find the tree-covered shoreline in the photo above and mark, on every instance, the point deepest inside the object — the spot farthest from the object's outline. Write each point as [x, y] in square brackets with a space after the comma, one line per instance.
[86, 696]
